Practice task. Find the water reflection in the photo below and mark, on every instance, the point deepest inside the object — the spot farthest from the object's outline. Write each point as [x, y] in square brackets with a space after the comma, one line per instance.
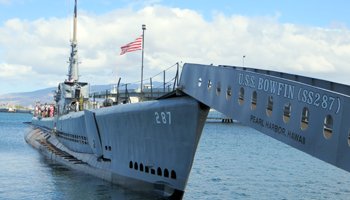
[72, 184]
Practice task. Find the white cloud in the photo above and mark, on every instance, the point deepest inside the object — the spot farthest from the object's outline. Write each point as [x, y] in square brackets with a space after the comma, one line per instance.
[172, 35]
[13, 71]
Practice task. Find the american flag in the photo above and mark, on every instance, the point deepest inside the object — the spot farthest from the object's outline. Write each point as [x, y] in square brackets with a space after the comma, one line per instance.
[132, 46]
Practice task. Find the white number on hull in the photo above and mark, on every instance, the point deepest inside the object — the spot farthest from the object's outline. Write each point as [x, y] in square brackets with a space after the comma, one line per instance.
[163, 117]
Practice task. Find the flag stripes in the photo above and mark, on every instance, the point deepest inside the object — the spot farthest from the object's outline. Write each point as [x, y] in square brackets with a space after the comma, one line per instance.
[132, 46]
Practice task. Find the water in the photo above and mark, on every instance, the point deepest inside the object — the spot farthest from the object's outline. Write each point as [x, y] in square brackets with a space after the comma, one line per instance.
[232, 162]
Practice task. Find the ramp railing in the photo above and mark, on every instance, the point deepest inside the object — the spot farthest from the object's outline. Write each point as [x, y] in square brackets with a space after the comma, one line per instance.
[309, 114]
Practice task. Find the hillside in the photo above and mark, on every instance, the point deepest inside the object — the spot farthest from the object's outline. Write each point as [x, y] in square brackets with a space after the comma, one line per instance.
[28, 99]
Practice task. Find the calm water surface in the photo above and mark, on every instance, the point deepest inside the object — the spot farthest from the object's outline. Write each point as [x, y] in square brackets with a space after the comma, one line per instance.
[232, 162]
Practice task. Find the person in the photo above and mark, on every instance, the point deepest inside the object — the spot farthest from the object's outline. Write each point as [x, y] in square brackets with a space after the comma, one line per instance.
[36, 111]
[42, 111]
[51, 111]
[46, 110]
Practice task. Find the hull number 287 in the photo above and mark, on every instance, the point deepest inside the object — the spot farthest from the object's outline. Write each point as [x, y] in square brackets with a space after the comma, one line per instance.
[163, 117]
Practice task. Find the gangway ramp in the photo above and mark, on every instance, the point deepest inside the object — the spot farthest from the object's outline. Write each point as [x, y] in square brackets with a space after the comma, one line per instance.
[309, 114]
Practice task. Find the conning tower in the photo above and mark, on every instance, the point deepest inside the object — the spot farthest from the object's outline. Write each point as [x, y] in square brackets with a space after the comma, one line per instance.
[72, 95]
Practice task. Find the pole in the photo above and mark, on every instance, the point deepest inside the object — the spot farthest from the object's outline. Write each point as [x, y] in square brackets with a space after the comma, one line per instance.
[118, 90]
[176, 80]
[143, 42]
[150, 80]
[164, 81]
[243, 57]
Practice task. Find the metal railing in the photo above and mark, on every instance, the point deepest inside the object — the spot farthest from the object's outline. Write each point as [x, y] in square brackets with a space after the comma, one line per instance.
[121, 93]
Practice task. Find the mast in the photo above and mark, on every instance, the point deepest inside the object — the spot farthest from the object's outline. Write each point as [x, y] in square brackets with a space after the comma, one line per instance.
[143, 40]
[73, 73]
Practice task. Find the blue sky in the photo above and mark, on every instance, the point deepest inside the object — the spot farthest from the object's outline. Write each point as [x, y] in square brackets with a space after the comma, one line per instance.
[308, 37]
[305, 12]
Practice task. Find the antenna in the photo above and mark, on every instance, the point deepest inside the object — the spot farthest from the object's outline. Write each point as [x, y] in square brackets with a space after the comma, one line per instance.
[75, 22]
[73, 75]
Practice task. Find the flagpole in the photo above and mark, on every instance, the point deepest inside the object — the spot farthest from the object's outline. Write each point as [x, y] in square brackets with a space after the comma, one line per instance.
[143, 40]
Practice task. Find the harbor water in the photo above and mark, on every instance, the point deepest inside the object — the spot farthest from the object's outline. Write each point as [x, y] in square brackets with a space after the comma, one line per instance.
[232, 162]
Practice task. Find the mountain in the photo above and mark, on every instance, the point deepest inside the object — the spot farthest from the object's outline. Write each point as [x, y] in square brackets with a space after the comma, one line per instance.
[28, 99]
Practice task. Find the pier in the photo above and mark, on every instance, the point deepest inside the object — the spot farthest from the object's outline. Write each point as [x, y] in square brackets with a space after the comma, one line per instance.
[216, 116]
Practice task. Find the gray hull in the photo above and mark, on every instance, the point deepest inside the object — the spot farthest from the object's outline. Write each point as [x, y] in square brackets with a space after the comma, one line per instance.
[146, 146]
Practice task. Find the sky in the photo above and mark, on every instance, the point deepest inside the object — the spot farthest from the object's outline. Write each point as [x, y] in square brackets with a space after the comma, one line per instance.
[310, 38]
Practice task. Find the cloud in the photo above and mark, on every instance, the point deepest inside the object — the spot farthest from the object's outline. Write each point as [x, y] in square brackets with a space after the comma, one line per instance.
[13, 71]
[42, 46]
